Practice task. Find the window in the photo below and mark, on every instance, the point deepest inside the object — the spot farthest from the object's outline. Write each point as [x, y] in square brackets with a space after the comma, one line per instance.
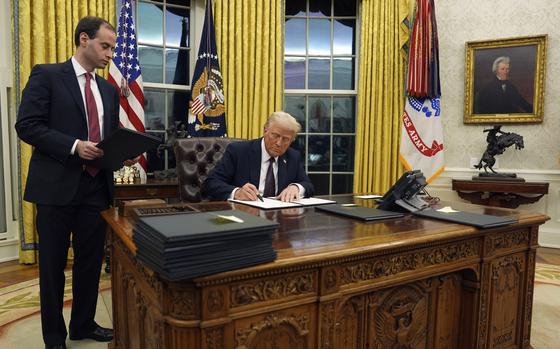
[319, 88]
[164, 50]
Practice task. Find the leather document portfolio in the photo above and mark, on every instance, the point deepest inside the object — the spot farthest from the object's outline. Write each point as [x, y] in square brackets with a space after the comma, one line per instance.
[359, 212]
[202, 226]
[121, 145]
[184, 246]
[475, 219]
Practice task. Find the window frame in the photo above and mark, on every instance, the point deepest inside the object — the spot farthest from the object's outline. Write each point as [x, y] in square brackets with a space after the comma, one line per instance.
[330, 92]
[196, 21]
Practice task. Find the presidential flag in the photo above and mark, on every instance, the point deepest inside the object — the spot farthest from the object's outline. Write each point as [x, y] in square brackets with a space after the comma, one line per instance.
[126, 75]
[422, 132]
[207, 105]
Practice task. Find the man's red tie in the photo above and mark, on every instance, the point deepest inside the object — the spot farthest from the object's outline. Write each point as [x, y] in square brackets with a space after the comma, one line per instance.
[94, 134]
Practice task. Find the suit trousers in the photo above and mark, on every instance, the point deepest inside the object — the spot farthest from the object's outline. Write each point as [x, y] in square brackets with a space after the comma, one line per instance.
[80, 220]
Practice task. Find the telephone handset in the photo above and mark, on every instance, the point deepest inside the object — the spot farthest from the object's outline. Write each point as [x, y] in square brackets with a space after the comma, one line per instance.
[403, 195]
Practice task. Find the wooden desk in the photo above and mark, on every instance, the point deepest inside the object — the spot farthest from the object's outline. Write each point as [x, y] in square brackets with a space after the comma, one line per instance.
[151, 189]
[500, 193]
[340, 283]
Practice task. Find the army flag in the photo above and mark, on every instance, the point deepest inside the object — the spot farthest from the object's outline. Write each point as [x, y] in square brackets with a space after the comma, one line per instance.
[206, 115]
[422, 132]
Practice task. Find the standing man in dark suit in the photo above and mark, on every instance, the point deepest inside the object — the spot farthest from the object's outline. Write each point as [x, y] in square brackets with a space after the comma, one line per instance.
[266, 166]
[500, 96]
[65, 110]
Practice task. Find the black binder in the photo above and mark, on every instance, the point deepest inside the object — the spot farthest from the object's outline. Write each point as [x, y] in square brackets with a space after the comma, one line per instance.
[121, 145]
[359, 212]
[475, 219]
[201, 227]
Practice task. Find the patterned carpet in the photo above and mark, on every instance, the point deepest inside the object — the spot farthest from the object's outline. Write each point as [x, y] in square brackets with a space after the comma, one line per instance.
[20, 322]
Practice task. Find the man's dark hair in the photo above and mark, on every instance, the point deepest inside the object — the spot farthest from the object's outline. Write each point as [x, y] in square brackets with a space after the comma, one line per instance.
[90, 25]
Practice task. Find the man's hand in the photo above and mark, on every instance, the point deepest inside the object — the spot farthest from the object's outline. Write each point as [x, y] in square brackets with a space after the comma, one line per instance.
[247, 192]
[87, 150]
[291, 193]
[131, 162]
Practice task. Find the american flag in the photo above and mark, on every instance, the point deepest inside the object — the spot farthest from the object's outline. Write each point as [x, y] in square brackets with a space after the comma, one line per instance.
[125, 74]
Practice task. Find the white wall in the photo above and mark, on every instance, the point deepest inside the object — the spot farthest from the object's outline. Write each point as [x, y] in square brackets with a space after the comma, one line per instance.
[460, 21]
[9, 242]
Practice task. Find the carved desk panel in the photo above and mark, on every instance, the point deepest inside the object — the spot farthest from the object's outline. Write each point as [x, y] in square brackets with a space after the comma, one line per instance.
[340, 283]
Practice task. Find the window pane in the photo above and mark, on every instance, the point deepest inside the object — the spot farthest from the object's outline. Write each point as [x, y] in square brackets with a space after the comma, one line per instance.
[319, 114]
[178, 2]
[345, 8]
[321, 183]
[319, 73]
[320, 8]
[155, 162]
[299, 145]
[343, 73]
[295, 36]
[343, 153]
[343, 36]
[176, 66]
[154, 109]
[177, 27]
[150, 23]
[294, 72]
[319, 37]
[295, 105]
[318, 158]
[177, 104]
[295, 8]
[151, 63]
[344, 114]
[342, 183]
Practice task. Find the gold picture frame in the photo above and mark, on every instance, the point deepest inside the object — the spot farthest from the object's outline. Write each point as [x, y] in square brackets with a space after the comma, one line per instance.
[491, 98]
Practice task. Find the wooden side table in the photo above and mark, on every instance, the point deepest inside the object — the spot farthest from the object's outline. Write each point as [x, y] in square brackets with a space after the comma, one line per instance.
[151, 189]
[508, 194]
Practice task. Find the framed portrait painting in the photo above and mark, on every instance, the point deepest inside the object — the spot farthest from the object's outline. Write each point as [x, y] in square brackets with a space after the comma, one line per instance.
[504, 80]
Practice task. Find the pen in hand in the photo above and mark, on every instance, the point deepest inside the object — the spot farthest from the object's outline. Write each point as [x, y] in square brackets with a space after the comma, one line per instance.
[259, 196]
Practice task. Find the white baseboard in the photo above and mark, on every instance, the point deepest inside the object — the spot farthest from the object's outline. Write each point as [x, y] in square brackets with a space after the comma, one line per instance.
[549, 238]
[9, 250]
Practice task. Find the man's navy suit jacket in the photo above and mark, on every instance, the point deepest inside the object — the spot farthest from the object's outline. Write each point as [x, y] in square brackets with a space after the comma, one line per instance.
[51, 117]
[241, 164]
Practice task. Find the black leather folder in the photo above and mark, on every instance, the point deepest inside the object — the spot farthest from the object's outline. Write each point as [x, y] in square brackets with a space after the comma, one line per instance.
[475, 219]
[359, 212]
[202, 227]
[193, 271]
[121, 145]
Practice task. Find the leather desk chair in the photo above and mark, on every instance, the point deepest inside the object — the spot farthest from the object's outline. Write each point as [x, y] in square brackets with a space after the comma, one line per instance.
[195, 158]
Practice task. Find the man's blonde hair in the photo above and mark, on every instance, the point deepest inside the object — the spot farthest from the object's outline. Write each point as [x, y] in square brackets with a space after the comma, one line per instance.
[284, 119]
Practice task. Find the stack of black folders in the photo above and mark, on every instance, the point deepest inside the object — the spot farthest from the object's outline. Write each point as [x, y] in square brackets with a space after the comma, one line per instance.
[359, 212]
[189, 245]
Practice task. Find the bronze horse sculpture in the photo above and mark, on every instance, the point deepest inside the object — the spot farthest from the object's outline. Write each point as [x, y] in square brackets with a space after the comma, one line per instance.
[497, 145]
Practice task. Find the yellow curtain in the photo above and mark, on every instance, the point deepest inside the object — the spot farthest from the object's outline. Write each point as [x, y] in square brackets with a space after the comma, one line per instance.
[380, 94]
[249, 35]
[46, 35]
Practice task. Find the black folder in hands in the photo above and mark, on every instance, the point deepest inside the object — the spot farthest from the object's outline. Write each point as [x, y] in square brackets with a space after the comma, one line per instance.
[121, 145]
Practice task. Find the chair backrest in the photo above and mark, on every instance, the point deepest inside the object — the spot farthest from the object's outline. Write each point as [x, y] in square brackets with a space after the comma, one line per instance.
[195, 158]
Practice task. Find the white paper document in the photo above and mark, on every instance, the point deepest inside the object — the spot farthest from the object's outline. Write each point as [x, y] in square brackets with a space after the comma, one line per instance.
[368, 196]
[271, 204]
